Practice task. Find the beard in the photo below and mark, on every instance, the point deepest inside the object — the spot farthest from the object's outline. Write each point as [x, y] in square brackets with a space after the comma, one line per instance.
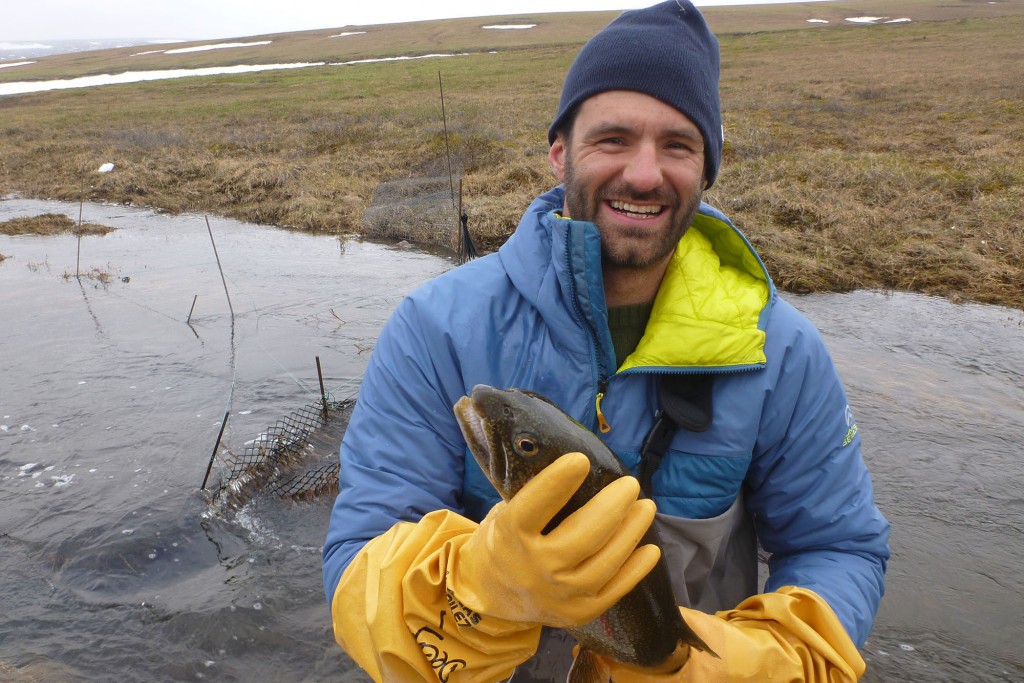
[622, 247]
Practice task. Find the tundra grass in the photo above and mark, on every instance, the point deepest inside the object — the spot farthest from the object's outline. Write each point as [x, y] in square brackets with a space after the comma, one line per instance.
[50, 224]
[860, 156]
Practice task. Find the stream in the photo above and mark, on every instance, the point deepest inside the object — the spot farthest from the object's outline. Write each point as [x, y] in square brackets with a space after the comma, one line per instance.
[114, 384]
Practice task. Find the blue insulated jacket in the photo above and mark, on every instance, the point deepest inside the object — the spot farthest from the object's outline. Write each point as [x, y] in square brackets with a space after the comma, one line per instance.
[533, 316]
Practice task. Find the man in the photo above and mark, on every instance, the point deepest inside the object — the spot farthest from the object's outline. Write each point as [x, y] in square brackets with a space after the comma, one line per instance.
[613, 287]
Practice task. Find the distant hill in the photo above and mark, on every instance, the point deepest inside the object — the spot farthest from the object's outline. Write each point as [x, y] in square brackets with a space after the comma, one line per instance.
[347, 43]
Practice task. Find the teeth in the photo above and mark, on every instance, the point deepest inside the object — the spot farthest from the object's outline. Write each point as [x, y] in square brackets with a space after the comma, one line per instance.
[647, 210]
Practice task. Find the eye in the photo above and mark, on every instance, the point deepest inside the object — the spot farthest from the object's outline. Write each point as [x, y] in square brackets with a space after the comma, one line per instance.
[683, 147]
[526, 446]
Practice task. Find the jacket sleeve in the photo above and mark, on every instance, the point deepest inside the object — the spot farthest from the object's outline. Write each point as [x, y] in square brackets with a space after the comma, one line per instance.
[808, 487]
[395, 528]
[402, 454]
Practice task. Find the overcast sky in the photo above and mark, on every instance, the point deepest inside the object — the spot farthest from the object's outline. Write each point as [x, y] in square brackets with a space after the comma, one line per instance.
[41, 20]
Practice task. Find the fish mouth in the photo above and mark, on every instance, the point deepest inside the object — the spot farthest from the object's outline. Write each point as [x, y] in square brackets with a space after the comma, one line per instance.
[474, 429]
[471, 422]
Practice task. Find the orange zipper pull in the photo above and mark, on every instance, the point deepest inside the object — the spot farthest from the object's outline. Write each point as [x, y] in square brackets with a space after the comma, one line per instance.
[601, 422]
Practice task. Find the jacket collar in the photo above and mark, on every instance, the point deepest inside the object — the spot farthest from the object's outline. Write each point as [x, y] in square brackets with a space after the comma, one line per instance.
[709, 313]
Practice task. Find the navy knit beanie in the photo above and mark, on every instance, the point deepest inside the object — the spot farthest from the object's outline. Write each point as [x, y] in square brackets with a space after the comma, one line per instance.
[666, 51]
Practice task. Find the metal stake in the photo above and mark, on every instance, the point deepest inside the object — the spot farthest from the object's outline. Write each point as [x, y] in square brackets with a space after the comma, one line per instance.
[323, 392]
[220, 434]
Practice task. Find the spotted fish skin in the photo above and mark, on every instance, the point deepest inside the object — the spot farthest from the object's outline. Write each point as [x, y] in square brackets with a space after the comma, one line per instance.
[514, 434]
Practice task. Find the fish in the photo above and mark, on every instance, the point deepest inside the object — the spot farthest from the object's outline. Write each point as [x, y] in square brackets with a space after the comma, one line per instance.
[645, 629]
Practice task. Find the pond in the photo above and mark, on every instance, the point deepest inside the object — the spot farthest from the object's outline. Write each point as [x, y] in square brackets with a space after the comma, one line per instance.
[115, 383]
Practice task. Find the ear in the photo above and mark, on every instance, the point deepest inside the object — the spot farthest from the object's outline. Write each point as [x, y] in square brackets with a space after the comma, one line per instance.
[556, 157]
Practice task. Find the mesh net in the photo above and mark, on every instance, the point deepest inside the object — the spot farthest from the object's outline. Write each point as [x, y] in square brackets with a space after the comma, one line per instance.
[419, 210]
[288, 459]
[316, 482]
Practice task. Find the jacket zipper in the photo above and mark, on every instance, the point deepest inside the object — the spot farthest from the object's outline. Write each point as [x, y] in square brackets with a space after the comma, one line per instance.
[602, 378]
[602, 423]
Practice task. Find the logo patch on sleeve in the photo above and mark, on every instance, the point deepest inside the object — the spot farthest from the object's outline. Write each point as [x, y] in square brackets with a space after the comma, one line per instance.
[851, 426]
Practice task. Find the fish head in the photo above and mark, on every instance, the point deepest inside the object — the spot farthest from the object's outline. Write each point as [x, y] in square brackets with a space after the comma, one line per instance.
[513, 434]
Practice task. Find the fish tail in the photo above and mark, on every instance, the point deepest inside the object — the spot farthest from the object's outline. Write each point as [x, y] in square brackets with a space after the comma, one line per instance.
[696, 643]
[588, 667]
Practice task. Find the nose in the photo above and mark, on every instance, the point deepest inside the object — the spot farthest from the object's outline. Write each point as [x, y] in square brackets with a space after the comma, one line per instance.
[643, 169]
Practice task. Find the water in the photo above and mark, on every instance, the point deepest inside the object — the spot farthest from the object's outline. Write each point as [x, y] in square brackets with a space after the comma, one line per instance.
[109, 410]
[33, 49]
[110, 405]
[939, 394]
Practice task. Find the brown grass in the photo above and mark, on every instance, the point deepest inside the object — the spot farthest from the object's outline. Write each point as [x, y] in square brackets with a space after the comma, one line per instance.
[101, 276]
[856, 156]
[50, 224]
[893, 167]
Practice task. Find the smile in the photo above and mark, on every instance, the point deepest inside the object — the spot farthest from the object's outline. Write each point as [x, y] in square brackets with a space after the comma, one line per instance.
[636, 210]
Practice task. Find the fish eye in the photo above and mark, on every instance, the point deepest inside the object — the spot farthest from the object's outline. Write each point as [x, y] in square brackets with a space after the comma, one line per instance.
[526, 446]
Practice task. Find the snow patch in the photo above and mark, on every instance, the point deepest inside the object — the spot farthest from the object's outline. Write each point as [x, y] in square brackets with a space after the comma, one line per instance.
[397, 59]
[215, 46]
[19, 87]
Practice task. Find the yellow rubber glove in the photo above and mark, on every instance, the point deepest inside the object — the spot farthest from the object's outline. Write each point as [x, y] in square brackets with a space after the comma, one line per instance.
[395, 617]
[399, 615]
[512, 571]
[787, 636]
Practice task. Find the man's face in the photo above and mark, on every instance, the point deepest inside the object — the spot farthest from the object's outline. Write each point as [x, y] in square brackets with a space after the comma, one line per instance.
[634, 166]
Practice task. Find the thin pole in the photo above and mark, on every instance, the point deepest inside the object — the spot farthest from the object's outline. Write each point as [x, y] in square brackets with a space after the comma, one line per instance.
[462, 245]
[81, 205]
[444, 119]
[222, 279]
[220, 434]
[189, 320]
